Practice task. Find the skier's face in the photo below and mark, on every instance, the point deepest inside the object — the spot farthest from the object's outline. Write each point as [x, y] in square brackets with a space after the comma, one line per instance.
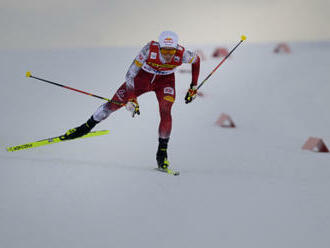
[168, 53]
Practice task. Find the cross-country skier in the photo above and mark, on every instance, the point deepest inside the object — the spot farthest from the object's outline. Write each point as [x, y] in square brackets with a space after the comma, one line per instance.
[152, 70]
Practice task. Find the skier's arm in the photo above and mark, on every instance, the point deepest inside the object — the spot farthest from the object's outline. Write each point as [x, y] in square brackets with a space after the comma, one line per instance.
[193, 59]
[195, 71]
[134, 69]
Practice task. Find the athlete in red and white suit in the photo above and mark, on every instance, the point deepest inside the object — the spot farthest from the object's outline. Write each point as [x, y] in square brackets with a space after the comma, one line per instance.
[154, 71]
[148, 73]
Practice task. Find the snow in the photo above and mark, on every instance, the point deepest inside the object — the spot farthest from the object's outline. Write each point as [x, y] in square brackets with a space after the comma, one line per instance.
[251, 186]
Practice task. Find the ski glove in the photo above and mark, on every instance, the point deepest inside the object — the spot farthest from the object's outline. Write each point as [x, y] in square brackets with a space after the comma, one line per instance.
[191, 94]
[133, 106]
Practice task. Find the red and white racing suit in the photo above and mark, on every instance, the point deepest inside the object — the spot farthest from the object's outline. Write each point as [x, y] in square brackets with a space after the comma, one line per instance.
[150, 72]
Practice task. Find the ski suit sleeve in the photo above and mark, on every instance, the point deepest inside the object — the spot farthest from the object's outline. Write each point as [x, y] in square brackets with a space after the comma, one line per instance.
[134, 69]
[193, 59]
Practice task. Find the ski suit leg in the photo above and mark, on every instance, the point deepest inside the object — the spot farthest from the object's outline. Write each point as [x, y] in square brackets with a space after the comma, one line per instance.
[141, 84]
[107, 108]
[165, 92]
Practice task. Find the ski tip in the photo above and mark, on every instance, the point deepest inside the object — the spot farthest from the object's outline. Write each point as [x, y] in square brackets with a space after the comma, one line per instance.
[99, 132]
[102, 132]
[243, 37]
[28, 74]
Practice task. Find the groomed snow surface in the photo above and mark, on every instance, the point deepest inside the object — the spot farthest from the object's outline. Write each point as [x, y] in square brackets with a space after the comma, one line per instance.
[249, 186]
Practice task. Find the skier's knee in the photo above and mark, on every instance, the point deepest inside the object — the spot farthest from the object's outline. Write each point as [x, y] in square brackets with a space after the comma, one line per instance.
[165, 112]
[102, 112]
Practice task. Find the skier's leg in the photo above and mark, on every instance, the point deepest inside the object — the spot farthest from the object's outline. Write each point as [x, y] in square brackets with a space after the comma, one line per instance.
[165, 124]
[100, 114]
[166, 97]
[120, 98]
[141, 85]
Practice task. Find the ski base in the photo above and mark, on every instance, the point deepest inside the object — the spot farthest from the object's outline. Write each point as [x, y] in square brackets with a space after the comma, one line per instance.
[53, 140]
[168, 171]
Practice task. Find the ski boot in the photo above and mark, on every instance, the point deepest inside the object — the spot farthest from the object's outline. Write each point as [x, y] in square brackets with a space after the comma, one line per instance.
[161, 155]
[81, 130]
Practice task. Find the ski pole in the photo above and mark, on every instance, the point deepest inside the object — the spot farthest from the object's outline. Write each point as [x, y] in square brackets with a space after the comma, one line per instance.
[28, 74]
[243, 38]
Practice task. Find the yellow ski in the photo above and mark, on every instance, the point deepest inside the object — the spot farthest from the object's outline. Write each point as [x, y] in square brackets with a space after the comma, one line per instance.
[168, 171]
[52, 141]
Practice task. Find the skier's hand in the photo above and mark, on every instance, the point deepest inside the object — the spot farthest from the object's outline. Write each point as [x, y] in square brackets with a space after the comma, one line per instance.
[191, 94]
[133, 106]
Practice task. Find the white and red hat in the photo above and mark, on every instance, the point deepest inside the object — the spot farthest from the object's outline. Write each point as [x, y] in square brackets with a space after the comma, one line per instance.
[168, 39]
